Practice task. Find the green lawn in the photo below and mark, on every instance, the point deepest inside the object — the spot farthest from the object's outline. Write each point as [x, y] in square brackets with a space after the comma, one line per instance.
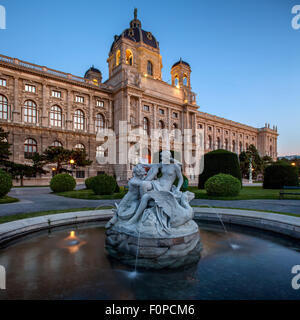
[247, 193]
[7, 199]
[89, 195]
[45, 213]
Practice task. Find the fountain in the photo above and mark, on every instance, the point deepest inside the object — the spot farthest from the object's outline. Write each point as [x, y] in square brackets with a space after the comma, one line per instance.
[153, 225]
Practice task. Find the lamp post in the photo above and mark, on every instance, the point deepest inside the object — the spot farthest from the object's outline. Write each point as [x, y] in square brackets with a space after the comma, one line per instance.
[250, 170]
[72, 163]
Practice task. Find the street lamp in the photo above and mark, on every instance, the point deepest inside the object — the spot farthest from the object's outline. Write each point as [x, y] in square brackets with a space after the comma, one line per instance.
[72, 163]
[293, 164]
[250, 170]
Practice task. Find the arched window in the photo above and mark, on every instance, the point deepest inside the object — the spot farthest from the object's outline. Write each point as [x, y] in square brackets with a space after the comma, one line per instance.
[247, 146]
[146, 126]
[30, 148]
[56, 143]
[79, 146]
[56, 116]
[161, 124]
[226, 144]
[175, 126]
[184, 81]
[100, 122]
[150, 68]
[271, 151]
[3, 107]
[79, 120]
[233, 146]
[118, 57]
[129, 57]
[219, 143]
[241, 147]
[30, 112]
[176, 81]
[100, 154]
[210, 145]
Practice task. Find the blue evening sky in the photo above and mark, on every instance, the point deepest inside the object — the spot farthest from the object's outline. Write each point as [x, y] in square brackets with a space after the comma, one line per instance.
[244, 54]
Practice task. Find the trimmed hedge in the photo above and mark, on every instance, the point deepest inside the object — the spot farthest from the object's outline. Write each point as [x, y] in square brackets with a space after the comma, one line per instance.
[223, 185]
[62, 182]
[185, 184]
[88, 182]
[220, 161]
[279, 175]
[103, 184]
[5, 183]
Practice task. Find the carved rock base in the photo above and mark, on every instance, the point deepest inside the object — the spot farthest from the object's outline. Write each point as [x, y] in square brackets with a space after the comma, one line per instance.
[153, 253]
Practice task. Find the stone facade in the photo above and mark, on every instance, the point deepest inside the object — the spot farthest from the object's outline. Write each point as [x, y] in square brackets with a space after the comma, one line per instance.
[134, 92]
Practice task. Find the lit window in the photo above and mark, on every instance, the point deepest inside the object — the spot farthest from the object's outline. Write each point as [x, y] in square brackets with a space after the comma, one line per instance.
[161, 111]
[30, 148]
[100, 123]
[56, 116]
[149, 68]
[3, 108]
[100, 103]
[95, 82]
[118, 56]
[3, 82]
[146, 108]
[56, 94]
[56, 144]
[146, 126]
[100, 152]
[79, 120]
[79, 99]
[161, 124]
[129, 57]
[184, 81]
[30, 88]
[79, 146]
[30, 112]
[176, 81]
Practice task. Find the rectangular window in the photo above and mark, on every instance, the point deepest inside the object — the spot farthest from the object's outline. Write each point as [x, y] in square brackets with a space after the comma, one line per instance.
[100, 172]
[80, 174]
[100, 103]
[175, 115]
[30, 88]
[56, 94]
[3, 82]
[162, 111]
[146, 108]
[79, 99]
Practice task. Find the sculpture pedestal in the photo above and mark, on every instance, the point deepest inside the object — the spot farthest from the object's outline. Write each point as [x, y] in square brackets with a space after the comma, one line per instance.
[181, 248]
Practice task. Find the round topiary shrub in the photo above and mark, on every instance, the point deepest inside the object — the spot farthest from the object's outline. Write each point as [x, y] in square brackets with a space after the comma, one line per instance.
[88, 182]
[279, 175]
[62, 182]
[5, 183]
[219, 161]
[223, 185]
[104, 184]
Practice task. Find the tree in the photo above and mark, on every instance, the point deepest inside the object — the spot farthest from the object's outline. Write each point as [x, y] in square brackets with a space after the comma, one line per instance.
[61, 158]
[4, 147]
[257, 162]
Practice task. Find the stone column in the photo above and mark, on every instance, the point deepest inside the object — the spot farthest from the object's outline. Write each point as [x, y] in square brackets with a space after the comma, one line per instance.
[111, 113]
[91, 115]
[44, 116]
[139, 112]
[17, 109]
[69, 115]
[154, 115]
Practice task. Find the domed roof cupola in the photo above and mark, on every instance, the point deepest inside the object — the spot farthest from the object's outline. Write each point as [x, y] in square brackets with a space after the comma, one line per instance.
[181, 74]
[135, 23]
[94, 74]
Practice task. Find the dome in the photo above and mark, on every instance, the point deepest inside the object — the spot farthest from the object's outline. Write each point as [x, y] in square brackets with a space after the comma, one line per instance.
[179, 62]
[137, 34]
[93, 70]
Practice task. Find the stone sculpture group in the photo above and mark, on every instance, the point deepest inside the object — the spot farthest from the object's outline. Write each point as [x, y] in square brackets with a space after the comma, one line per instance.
[153, 225]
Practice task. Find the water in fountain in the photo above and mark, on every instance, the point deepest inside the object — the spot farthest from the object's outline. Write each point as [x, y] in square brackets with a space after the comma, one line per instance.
[232, 245]
[134, 273]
